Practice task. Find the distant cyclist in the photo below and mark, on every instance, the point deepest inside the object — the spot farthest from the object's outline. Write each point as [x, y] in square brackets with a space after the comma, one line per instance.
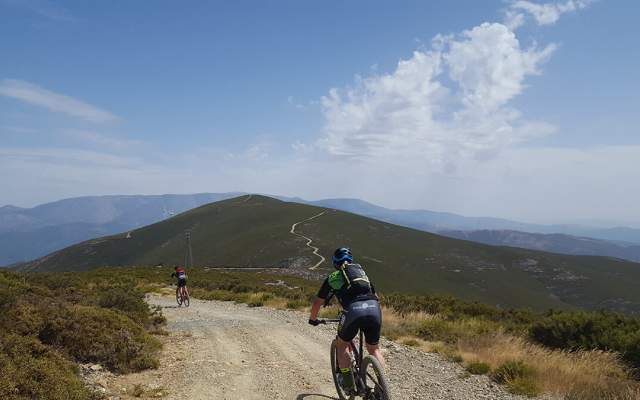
[181, 275]
[361, 310]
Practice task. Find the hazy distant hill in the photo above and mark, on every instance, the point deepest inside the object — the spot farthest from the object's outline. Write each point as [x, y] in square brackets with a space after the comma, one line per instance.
[557, 243]
[433, 221]
[26, 234]
[253, 231]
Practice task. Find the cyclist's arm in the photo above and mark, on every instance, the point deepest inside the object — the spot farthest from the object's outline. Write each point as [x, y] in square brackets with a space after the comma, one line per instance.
[315, 308]
[323, 293]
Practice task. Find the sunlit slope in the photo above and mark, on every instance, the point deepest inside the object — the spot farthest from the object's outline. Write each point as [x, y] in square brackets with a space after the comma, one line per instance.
[402, 259]
[244, 232]
[254, 232]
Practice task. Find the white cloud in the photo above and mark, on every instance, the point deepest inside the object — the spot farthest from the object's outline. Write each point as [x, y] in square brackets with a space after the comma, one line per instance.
[43, 8]
[448, 102]
[545, 13]
[35, 95]
[101, 140]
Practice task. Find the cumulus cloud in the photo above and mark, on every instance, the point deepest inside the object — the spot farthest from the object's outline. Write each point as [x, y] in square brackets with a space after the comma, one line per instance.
[38, 96]
[545, 13]
[444, 103]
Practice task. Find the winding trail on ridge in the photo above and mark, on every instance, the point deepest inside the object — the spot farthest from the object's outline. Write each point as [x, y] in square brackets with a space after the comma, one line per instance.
[309, 240]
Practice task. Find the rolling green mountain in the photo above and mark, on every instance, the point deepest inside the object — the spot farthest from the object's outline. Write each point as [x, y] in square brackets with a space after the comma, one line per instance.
[254, 231]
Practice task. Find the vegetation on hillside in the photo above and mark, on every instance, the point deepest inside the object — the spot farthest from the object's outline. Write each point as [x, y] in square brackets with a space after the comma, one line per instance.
[51, 322]
[502, 343]
[254, 231]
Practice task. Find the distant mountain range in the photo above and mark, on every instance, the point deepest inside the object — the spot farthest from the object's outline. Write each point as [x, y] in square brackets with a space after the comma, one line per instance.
[28, 233]
[433, 221]
[254, 231]
[553, 242]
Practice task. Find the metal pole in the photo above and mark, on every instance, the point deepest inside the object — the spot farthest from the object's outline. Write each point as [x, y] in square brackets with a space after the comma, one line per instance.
[188, 257]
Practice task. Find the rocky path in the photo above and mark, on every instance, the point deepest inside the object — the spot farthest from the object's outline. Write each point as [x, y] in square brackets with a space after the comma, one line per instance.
[226, 351]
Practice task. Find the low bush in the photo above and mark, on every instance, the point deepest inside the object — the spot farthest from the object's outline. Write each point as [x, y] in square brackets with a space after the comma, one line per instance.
[590, 331]
[126, 299]
[478, 368]
[296, 304]
[31, 370]
[511, 370]
[518, 377]
[95, 335]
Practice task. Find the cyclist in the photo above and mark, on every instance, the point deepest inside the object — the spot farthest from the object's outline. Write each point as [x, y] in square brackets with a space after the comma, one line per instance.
[361, 310]
[181, 275]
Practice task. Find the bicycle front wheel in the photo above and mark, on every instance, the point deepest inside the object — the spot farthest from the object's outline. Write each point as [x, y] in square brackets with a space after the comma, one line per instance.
[335, 373]
[376, 387]
[185, 298]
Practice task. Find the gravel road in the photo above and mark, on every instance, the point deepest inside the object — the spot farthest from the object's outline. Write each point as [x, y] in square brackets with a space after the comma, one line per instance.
[226, 351]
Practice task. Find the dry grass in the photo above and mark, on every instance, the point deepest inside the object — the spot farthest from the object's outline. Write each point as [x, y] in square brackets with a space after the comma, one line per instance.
[560, 373]
[556, 372]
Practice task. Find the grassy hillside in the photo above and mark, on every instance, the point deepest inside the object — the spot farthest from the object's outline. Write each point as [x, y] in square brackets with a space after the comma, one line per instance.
[253, 231]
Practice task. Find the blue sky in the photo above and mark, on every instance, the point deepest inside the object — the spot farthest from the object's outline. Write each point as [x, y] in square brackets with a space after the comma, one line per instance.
[516, 109]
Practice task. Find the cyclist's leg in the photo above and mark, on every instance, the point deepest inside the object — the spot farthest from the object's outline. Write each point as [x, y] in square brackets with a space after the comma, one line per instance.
[347, 330]
[374, 350]
[372, 325]
[342, 347]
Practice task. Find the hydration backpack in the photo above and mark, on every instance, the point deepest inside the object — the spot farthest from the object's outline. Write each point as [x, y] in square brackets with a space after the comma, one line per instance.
[350, 279]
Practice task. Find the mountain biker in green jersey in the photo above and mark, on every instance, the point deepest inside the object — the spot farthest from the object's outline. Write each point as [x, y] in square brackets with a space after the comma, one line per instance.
[361, 310]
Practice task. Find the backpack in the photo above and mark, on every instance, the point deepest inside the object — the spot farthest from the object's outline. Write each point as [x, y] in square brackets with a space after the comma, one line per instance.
[351, 280]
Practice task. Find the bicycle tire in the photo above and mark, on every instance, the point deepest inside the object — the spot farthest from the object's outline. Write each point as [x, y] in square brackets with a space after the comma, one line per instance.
[380, 391]
[185, 299]
[335, 371]
[178, 298]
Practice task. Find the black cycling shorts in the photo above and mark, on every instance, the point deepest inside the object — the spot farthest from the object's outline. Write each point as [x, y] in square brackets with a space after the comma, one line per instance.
[361, 315]
[182, 282]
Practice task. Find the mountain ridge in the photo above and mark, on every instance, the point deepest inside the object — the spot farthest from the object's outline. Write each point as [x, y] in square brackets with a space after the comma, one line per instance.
[26, 234]
[255, 231]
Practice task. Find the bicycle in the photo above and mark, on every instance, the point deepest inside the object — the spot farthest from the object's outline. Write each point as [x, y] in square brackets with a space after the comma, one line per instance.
[182, 296]
[360, 364]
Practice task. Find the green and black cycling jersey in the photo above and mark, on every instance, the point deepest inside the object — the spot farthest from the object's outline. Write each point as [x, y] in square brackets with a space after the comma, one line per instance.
[349, 284]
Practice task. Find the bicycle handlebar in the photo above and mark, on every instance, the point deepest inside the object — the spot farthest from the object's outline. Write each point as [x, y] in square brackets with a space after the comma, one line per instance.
[328, 321]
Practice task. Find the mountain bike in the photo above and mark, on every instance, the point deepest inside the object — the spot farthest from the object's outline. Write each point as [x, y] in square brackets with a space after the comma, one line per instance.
[182, 296]
[368, 375]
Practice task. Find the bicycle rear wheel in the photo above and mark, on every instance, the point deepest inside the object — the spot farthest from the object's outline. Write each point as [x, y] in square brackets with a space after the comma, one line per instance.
[178, 297]
[335, 373]
[376, 387]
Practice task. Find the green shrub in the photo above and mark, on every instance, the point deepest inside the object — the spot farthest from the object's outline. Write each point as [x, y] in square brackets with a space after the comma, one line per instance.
[30, 370]
[126, 299]
[101, 336]
[512, 370]
[590, 331]
[296, 304]
[438, 329]
[518, 377]
[478, 368]
[524, 386]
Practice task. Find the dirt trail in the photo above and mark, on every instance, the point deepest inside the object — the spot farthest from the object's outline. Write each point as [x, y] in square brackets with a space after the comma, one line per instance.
[309, 240]
[225, 351]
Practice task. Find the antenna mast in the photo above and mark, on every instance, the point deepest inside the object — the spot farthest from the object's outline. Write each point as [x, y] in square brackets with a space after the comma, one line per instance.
[188, 257]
